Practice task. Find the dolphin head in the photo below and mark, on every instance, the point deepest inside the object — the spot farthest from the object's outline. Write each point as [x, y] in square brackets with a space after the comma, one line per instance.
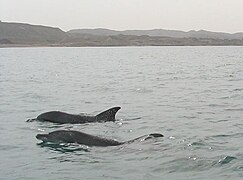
[49, 138]
[43, 137]
[60, 136]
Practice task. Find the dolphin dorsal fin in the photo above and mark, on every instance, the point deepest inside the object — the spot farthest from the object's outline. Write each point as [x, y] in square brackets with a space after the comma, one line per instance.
[108, 115]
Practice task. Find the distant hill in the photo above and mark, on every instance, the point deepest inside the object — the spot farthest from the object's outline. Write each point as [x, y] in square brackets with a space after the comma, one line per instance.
[160, 32]
[19, 33]
[83, 40]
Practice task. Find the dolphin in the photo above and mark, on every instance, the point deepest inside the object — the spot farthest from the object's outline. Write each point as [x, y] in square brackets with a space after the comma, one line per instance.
[71, 136]
[62, 117]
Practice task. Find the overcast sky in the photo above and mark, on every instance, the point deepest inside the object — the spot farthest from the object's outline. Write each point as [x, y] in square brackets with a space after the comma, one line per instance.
[213, 15]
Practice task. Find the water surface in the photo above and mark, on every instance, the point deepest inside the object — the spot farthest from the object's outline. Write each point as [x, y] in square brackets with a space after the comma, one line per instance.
[192, 95]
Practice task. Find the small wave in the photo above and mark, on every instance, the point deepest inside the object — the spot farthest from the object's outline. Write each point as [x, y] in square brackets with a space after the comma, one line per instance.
[226, 160]
[143, 90]
[119, 123]
[188, 117]
[227, 135]
[236, 109]
[64, 147]
[222, 120]
[88, 102]
[197, 144]
[30, 120]
[221, 135]
[216, 105]
[238, 89]
[225, 97]
[131, 119]
[47, 125]
[7, 147]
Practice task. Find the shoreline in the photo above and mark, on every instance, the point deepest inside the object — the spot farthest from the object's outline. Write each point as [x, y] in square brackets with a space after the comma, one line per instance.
[2, 46]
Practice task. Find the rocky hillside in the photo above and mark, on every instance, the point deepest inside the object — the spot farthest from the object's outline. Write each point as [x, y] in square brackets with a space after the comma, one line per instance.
[160, 32]
[19, 33]
[78, 40]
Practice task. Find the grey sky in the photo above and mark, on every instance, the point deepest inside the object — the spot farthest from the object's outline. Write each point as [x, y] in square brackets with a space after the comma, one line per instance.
[214, 15]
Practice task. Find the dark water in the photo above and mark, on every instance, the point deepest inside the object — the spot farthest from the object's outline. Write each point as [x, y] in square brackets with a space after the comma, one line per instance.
[192, 95]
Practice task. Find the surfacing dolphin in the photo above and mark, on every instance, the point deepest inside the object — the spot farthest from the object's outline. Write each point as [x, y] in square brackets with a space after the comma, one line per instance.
[63, 118]
[70, 136]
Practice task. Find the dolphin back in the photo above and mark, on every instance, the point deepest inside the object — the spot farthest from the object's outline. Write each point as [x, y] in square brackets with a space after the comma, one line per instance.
[108, 115]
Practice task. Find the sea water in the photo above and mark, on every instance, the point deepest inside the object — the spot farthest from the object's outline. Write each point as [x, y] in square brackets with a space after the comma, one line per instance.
[192, 95]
